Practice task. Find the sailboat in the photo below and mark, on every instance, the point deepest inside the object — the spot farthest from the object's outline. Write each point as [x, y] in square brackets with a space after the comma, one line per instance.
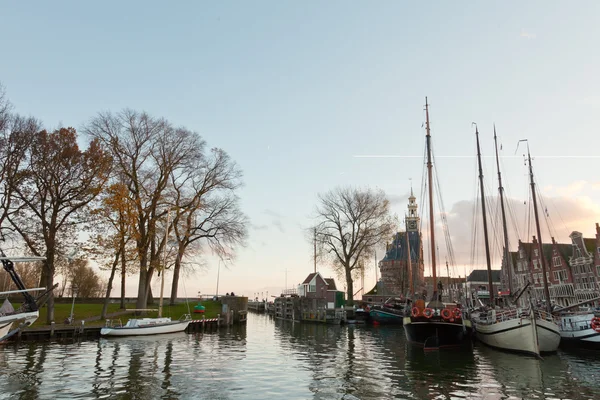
[510, 328]
[547, 329]
[149, 326]
[435, 324]
[12, 321]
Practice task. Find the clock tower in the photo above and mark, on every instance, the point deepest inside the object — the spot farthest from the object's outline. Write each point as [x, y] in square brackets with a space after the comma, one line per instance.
[412, 219]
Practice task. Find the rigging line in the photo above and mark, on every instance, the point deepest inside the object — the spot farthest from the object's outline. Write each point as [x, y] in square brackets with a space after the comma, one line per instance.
[446, 230]
[566, 230]
[549, 223]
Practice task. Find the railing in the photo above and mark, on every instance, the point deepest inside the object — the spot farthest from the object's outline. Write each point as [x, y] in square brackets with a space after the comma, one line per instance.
[113, 323]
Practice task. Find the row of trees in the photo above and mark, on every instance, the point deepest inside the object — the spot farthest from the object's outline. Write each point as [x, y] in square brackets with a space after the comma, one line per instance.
[148, 195]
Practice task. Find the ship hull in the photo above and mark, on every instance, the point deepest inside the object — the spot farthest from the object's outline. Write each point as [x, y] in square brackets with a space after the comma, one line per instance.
[384, 317]
[434, 334]
[548, 335]
[518, 335]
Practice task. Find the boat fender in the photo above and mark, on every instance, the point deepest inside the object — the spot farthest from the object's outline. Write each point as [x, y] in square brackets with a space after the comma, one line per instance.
[457, 313]
[596, 324]
[428, 312]
[446, 314]
[415, 312]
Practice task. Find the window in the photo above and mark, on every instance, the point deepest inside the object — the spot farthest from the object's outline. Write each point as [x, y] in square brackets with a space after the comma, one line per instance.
[598, 250]
[312, 288]
[598, 270]
[557, 261]
[522, 253]
[535, 264]
[556, 278]
[535, 252]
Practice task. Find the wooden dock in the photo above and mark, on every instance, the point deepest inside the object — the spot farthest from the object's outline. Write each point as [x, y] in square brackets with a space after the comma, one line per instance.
[82, 332]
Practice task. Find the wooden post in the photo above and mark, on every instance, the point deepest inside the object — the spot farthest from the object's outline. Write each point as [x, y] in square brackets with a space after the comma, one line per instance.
[218, 319]
[52, 329]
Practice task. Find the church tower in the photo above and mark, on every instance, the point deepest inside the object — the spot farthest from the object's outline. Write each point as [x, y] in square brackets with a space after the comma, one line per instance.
[412, 219]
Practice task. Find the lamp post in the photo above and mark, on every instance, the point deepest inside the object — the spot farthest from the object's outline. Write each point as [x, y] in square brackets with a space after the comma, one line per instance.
[73, 291]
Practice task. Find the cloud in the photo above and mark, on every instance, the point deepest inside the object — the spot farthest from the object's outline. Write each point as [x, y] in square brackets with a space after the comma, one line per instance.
[559, 217]
[398, 200]
[573, 189]
[276, 219]
[277, 223]
[527, 35]
[272, 213]
[259, 227]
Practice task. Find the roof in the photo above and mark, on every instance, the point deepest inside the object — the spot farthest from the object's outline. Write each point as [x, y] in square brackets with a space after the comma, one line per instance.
[481, 275]
[398, 251]
[309, 278]
[380, 290]
[590, 245]
[563, 249]
[330, 284]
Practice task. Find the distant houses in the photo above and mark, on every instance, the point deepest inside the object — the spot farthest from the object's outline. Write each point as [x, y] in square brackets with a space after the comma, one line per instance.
[572, 269]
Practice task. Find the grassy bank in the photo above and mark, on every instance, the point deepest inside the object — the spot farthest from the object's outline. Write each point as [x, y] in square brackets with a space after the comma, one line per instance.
[91, 312]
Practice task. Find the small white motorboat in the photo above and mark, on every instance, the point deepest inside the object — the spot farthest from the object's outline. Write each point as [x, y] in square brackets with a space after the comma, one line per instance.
[145, 326]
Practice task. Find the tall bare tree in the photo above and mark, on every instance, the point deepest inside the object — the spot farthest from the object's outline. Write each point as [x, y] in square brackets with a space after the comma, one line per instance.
[350, 223]
[50, 184]
[163, 169]
[206, 211]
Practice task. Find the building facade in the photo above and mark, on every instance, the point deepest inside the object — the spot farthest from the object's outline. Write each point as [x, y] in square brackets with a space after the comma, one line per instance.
[572, 270]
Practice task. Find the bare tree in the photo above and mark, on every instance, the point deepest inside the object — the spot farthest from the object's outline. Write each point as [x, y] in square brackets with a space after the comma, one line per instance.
[50, 183]
[206, 210]
[163, 169]
[350, 223]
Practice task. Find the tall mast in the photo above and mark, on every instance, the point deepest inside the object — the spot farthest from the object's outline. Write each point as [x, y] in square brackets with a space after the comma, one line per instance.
[409, 266]
[501, 191]
[430, 187]
[539, 234]
[485, 231]
[315, 249]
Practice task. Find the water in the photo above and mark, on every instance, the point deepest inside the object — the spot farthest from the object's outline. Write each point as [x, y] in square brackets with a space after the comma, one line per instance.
[272, 359]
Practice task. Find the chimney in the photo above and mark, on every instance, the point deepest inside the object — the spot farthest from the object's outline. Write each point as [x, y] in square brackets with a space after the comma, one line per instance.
[597, 229]
[534, 239]
[553, 241]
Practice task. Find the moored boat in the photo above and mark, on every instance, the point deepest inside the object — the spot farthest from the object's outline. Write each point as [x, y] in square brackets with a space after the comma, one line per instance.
[433, 325]
[580, 329]
[145, 326]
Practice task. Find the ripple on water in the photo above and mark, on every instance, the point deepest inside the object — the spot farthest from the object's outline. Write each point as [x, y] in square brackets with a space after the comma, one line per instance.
[272, 359]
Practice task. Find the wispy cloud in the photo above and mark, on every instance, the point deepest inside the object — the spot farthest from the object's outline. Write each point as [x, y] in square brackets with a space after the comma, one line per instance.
[259, 227]
[277, 223]
[272, 213]
[527, 35]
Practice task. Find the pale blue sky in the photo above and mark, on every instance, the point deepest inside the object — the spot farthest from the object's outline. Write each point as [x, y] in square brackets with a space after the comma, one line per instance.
[293, 90]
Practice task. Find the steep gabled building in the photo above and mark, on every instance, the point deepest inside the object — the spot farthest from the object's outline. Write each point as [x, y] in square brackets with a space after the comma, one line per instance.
[572, 270]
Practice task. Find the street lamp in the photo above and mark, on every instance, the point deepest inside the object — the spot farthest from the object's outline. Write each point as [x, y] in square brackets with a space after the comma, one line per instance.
[218, 273]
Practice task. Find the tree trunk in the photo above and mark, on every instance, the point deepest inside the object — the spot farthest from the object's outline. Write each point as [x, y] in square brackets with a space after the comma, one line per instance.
[123, 271]
[142, 292]
[175, 283]
[48, 267]
[123, 264]
[109, 287]
[350, 287]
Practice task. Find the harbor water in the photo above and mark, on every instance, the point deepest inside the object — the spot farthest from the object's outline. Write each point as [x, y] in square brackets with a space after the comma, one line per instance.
[274, 359]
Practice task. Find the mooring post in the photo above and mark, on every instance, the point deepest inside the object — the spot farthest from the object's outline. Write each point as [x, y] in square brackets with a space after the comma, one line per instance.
[52, 329]
[218, 319]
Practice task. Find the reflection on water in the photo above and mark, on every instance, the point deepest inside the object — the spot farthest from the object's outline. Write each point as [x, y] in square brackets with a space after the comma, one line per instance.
[272, 359]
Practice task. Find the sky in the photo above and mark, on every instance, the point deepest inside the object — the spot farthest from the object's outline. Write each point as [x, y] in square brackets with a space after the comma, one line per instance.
[309, 96]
